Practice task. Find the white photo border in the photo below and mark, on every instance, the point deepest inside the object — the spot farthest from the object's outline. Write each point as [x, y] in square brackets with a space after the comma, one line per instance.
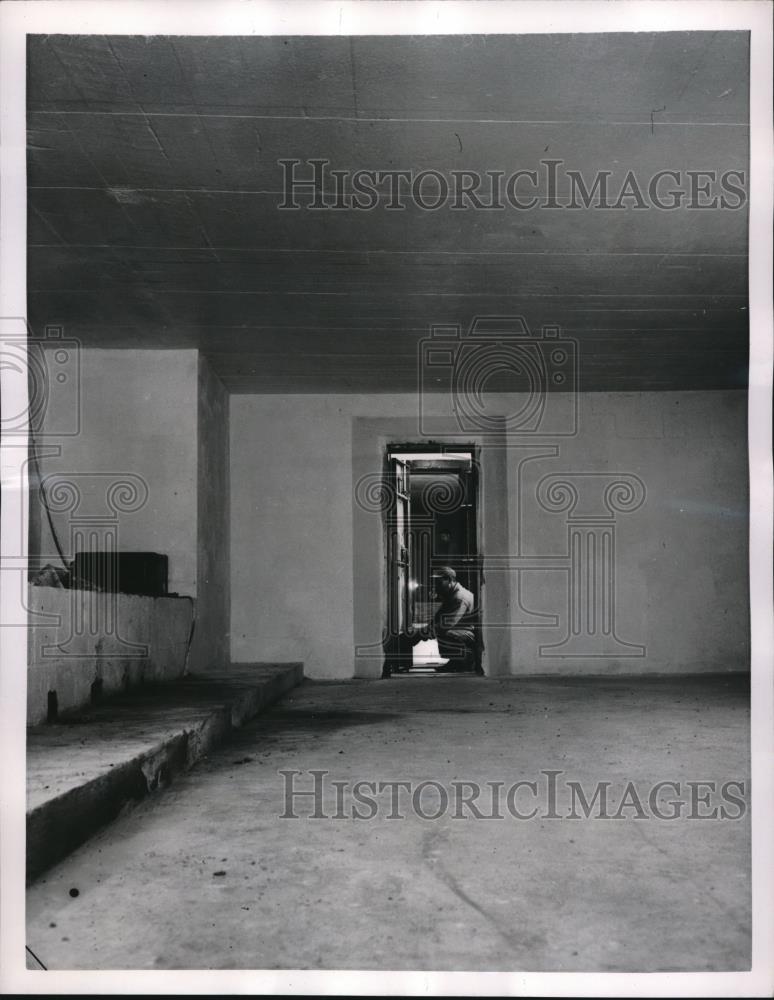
[378, 17]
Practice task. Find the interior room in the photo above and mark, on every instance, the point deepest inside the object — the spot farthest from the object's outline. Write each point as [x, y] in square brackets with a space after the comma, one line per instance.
[514, 346]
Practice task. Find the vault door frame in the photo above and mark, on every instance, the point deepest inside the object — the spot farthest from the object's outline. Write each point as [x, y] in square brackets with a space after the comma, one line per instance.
[401, 527]
[398, 547]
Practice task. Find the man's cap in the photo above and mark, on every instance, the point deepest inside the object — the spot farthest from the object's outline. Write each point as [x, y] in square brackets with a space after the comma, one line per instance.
[445, 571]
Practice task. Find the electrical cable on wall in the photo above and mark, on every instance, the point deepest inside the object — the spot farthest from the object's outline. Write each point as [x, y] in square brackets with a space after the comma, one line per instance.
[190, 633]
[60, 551]
[44, 500]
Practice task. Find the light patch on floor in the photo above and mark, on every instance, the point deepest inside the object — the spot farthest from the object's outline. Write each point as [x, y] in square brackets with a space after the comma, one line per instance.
[426, 654]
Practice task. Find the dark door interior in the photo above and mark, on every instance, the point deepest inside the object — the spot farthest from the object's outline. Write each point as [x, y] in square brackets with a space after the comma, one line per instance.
[432, 523]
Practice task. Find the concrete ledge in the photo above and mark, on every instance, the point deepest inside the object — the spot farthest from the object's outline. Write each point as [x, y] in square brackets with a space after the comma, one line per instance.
[82, 772]
[79, 637]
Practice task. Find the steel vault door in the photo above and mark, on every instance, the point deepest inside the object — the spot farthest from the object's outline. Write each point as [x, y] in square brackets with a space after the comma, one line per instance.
[399, 548]
[415, 528]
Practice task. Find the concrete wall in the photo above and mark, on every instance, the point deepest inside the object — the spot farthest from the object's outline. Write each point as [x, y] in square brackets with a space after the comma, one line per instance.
[681, 558]
[79, 637]
[136, 458]
[307, 575]
[210, 647]
[138, 424]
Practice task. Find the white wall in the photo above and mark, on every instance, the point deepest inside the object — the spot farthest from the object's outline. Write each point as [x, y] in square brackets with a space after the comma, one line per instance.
[681, 566]
[682, 557]
[158, 419]
[291, 531]
[138, 416]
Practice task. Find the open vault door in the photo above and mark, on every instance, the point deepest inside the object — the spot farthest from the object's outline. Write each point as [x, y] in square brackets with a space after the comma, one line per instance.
[399, 549]
[397, 647]
[431, 521]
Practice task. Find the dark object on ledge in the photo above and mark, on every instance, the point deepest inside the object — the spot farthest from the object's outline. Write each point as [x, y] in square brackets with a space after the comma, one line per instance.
[143, 573]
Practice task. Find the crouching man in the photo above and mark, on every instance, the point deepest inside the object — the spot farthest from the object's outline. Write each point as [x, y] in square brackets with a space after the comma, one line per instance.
[453, 625]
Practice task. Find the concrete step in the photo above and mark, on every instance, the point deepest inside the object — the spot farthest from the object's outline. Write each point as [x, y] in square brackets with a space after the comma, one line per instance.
[82, 771]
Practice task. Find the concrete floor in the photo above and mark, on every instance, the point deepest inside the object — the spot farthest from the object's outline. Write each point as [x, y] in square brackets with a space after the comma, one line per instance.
[205, 875]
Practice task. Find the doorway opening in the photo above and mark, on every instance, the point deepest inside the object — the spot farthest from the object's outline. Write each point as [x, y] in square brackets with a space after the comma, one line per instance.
[431, 526]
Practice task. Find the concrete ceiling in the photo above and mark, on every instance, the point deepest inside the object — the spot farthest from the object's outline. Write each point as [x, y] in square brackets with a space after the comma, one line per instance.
[154, 191]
